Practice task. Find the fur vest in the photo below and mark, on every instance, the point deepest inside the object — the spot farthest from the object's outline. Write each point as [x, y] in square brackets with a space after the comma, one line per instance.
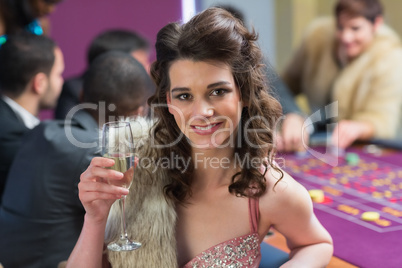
[369, 88]
[150, 217]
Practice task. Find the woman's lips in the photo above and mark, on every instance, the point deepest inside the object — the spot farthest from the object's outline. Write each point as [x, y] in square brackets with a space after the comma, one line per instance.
[206, 129]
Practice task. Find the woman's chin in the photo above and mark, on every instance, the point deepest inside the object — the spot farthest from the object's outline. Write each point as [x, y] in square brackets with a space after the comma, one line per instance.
[210, 145]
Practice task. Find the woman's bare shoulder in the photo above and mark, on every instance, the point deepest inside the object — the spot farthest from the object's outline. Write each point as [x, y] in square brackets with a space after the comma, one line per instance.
[283, 193]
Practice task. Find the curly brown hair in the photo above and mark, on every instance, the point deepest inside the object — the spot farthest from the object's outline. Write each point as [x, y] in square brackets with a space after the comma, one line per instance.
[215, 35]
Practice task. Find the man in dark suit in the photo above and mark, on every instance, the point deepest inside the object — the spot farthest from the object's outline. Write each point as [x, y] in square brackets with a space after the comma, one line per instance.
[30, 80]
[41, 215]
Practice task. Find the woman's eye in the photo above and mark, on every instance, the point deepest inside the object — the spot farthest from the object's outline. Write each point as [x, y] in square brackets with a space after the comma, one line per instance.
[218, 92]
[184, 96]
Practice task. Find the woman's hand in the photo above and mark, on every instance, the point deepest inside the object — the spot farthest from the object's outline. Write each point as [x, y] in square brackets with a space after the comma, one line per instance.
[95, 193]
[97, 196]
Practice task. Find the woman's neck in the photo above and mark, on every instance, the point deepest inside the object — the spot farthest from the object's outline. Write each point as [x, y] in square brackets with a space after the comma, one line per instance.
[213, 168]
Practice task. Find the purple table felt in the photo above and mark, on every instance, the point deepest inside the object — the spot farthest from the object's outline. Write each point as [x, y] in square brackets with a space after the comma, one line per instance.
[374, 184]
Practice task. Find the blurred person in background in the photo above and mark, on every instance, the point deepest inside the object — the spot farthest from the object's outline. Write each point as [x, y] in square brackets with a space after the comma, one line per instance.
[110, 40]
[354, 60]
[25, 15]
[41, 215]
[30, 80]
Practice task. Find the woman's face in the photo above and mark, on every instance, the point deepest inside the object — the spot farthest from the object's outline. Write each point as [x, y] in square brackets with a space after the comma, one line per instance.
[205, 102]
[354, 34]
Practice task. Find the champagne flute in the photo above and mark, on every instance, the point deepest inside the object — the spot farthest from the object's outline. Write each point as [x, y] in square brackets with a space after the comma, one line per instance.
[118, 144]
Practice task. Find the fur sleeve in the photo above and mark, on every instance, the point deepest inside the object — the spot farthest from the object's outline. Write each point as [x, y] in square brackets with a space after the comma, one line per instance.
[150, 217]
[314, 39]
[383, 101]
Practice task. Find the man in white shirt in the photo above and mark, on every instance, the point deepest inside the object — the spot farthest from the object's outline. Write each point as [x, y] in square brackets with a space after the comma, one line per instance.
[30, 80]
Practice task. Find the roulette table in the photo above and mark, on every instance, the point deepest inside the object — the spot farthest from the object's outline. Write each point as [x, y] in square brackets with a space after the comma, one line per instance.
[371, 183]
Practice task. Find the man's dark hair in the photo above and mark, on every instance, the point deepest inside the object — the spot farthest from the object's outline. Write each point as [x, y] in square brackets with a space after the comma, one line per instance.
[22, 57]
[116, 78]
[119, 40]
[369, 9]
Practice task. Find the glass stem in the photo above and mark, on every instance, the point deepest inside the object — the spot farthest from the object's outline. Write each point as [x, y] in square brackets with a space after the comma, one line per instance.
[122, 203]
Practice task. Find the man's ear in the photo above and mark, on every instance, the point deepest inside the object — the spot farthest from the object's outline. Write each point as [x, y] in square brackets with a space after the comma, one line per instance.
[40, 83]
[140, 111]
[379, 20]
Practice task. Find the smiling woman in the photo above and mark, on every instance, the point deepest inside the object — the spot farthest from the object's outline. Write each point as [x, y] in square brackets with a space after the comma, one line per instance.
[206, 110]
[193, 58]
[213, 212]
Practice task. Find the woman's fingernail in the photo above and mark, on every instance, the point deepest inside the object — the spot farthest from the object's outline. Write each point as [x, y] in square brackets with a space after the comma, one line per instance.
[125, 191]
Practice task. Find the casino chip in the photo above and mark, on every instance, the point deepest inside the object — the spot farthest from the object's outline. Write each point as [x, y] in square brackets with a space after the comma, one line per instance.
[352, 159]
[373, 149]
[317, 195]
[370, 216]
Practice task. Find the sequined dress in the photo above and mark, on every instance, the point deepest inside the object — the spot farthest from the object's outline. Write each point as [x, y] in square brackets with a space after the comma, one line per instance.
[242, 251]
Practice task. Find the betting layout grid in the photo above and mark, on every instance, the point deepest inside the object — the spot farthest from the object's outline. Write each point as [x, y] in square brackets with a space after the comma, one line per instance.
[373, 184]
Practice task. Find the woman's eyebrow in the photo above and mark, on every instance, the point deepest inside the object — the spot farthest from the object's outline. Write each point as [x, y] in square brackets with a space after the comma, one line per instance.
[217, 84]
[186, 89]
[180, 89]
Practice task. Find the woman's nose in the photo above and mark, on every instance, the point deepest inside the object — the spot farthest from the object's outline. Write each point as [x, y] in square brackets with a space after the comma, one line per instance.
[203, 108]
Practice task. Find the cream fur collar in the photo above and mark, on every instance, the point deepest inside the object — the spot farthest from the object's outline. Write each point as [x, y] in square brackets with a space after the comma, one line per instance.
[150, 217]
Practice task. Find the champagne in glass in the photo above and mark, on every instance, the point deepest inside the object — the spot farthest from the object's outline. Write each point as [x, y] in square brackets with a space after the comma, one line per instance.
[118, 144]
[123, 163]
